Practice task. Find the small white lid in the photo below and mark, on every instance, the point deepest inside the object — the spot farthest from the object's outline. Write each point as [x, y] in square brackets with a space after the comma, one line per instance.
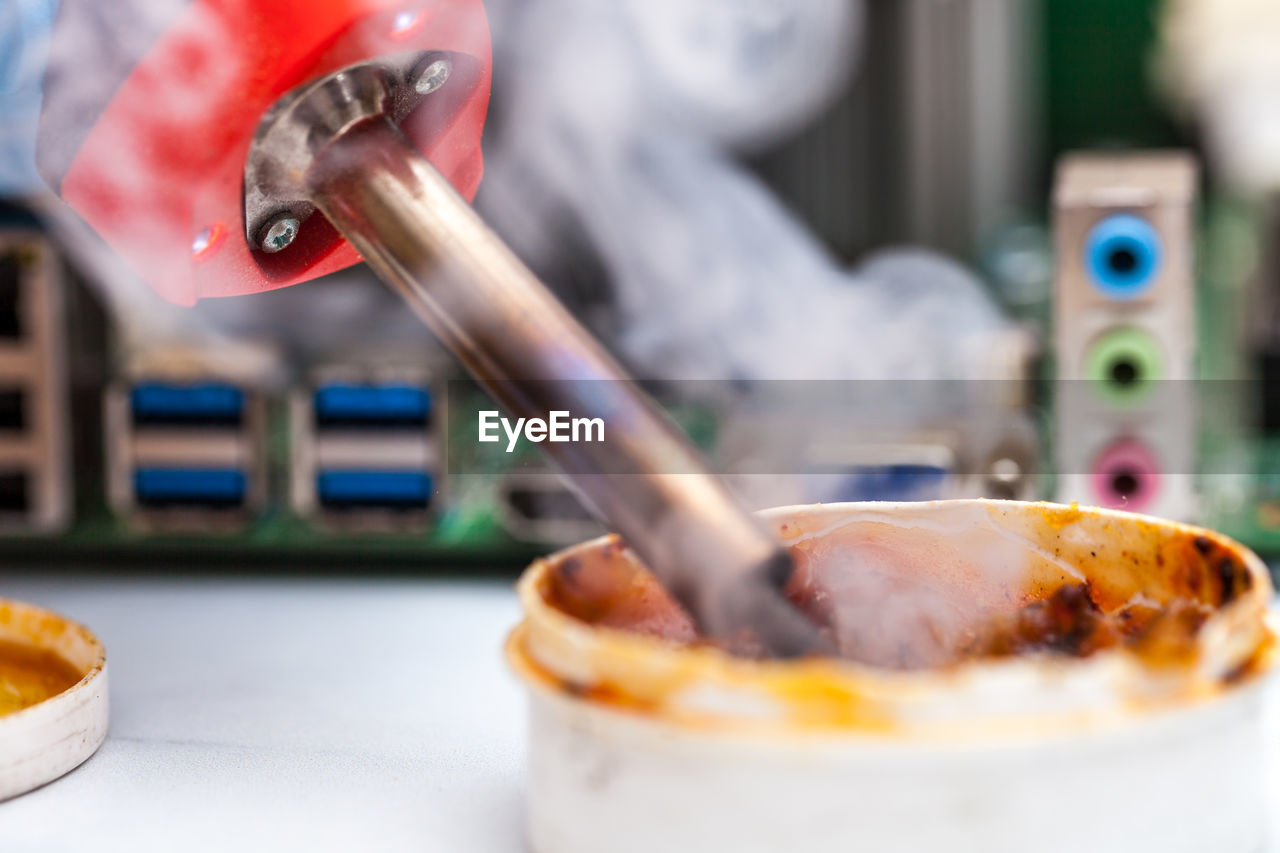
[44, 741]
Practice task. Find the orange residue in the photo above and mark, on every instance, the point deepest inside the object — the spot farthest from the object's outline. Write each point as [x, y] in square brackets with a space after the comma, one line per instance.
[29, 675]
[823, 703]
[1059, 517]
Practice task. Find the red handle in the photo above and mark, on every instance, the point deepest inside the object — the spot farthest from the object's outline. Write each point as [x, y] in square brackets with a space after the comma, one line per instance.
[159, 174]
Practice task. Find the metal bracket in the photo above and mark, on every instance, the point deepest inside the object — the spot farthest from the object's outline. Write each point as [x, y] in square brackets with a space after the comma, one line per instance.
[276, 200]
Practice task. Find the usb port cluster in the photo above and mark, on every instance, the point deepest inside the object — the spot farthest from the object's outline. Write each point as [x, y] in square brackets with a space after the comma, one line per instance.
[184, 453]
[364, 452]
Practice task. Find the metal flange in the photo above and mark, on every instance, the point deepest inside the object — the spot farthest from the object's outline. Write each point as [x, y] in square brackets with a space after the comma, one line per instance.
[276, 201]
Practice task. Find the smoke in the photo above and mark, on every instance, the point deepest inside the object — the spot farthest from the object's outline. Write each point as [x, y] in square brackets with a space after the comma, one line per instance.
[624, 121]
[917, 586]
[1219, 59]
[623, 118]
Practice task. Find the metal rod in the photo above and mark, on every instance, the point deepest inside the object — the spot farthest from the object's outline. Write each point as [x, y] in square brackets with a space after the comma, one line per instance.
[646, 480]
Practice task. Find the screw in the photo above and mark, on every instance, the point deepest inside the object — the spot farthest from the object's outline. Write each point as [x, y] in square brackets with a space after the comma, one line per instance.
[1004, 479]
[279, 233]
[1006, 470]
[432, 77]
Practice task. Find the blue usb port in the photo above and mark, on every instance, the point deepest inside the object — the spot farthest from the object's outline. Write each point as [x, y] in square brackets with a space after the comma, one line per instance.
[399, 490]
[893, 483]
[193, 405]
[372, 406]
[189, 487]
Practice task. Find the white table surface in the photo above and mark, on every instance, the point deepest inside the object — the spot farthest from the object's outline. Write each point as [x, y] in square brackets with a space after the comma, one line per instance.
[286, 715]
[282, 715]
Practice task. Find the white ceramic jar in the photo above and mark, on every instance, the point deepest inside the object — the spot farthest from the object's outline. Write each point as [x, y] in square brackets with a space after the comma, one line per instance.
[640, 743]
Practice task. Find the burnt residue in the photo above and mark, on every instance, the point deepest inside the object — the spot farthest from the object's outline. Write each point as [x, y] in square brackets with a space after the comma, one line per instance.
[1216, 562]
[569, 568]
[1227, 578]
[1068, 622]
[576, 688]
